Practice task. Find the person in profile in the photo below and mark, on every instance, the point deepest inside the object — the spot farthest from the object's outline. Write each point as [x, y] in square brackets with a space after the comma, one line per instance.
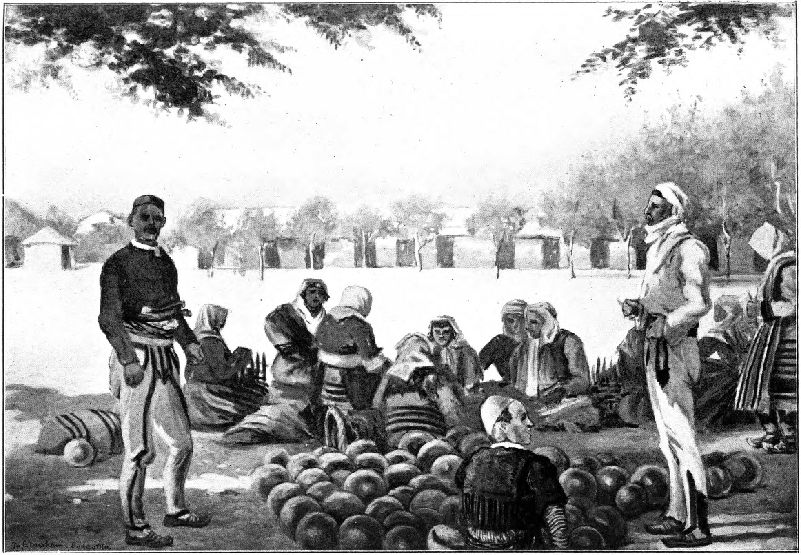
[499, 349]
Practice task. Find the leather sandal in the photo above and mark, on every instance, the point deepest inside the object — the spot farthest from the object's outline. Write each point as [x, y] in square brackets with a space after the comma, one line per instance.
[186, 518]
[148, 538]
[668, 526]
[692, 538]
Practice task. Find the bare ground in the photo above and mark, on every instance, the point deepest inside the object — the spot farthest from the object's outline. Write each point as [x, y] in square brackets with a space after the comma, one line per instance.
[52, 506]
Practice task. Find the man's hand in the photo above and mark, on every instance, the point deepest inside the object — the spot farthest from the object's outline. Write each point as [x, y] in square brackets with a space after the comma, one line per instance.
[194, 354]
[133, 373]
[657, 328]
[631, 308]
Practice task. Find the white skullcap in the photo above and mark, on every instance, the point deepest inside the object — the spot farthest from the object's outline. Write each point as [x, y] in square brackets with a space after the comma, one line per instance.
[674, 195]
[491, 409]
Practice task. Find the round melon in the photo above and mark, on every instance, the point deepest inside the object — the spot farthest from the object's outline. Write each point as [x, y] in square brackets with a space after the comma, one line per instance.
[431, 451]
[427, 499]
[610, 522]
[400, 456]
[266, 477]
[321, 490]
[400, 474]
[446, 466]
[403, 494]
[556, 455]
[745, 469]
[294, 510]
[404, 518]
[575, 482]
[609, 479]
[607, 459]
[631, 500]
[582, 501]
[413, 441]
[429, 481]
[331, 462]
[317, 531]
[455, 435]
[322, 450]
[450, 510]
[719, 482]
[575, 516]
[300, 462]
[372, 461]
[381, 507]
[445, 538]
[365, 484]
[311, 476]
[342, 504]
[588, 463]
[404, 538]
[360, 533]
[713, 458]
[339, 476]
[361, 446]
[586, 538]
[276, 456]
[654, 480]
[282, 493]
[429, 516]
[473, 441]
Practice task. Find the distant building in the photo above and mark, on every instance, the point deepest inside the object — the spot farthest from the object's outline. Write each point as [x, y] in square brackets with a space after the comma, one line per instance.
[18, 223]
[89, 223]
[47, 250]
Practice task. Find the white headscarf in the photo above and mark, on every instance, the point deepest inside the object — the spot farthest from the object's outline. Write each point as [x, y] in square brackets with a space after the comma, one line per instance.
[491, 410]
[356, 301]
[210, 321]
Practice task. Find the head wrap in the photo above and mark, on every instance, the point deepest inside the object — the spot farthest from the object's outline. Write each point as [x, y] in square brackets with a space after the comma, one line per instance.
[148, 199]
[356, 301]
[492, 408]
[210, 320]
[313, 282]
[516, 306]
[547, 313]
[458, 336]
[414, 352]
[675, 196]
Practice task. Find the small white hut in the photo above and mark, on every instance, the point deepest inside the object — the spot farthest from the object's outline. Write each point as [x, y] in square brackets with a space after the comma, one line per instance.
[48, 250]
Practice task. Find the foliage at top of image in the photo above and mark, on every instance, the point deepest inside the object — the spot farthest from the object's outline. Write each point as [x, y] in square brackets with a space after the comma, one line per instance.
[164, 48]
[664, 34]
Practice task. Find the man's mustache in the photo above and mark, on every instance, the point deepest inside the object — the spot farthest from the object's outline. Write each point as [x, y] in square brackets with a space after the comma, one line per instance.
[150, 229]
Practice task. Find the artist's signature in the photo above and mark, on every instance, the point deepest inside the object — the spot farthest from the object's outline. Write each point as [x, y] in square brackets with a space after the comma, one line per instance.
[26, 545]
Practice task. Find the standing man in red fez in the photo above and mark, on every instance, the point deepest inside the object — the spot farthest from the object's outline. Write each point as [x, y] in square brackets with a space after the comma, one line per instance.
[141, 314]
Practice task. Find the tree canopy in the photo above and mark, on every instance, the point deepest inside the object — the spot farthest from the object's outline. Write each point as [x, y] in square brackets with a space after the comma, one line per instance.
[664, 34]
[164, 50]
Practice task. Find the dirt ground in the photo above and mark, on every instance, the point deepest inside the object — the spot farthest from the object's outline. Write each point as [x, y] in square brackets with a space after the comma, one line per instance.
[52, 506]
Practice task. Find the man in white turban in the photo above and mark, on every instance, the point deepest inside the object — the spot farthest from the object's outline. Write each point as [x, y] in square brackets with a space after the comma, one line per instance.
[673, 298]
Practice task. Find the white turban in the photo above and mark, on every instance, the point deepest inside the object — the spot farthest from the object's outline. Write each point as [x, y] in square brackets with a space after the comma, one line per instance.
[674, 195]
[492, 408]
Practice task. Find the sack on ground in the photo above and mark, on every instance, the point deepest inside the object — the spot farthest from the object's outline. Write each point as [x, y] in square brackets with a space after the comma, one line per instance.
[101, 428]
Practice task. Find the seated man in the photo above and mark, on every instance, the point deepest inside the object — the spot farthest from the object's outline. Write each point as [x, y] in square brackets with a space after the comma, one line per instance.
[551, 366]
[350, 369]
[499, 349]
[290, 328]
[511, 497]
[453, 351]
[217, 396]
[416, 394]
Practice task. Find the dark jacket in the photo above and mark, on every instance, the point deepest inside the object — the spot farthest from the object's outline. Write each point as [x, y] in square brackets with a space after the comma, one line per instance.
[297, 353]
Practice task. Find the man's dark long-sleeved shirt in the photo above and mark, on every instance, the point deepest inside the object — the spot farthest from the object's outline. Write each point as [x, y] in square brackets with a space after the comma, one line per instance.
[130, 279]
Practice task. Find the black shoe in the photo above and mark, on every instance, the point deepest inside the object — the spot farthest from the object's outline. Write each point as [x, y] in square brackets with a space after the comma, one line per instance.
[668, 526]
[186, 518]
[148, 538]
[694, 538]
[764, 441]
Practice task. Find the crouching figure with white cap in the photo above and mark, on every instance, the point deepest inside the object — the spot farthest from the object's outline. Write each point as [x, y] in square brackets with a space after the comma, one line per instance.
[511, 497]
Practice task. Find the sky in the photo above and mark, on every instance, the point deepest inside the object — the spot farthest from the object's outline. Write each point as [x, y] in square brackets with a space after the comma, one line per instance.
[486, 106]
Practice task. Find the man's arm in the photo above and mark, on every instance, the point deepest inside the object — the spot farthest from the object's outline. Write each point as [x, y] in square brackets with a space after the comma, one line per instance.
[695, 278]
[579, 381]
[110, 318]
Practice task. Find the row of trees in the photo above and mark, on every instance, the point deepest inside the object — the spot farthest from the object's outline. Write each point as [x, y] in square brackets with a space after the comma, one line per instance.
[317, 221]
[738, 165]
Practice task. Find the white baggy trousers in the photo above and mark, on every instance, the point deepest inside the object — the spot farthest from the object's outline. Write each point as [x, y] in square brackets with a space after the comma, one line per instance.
[675, 422]
[155, 405]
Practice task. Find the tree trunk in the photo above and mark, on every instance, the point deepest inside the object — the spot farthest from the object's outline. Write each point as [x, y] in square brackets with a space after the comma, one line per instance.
[213, 256]
[498, 261]
[418, 255]
[311, 255]
[570, 256]
[726, 237]
[262, 248]
[364, 249]
[628, 253]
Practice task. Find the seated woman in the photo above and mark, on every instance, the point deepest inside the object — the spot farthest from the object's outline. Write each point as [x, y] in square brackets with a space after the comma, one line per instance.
[417, 394]
[217, 396]
[453, 351]
[498, 349]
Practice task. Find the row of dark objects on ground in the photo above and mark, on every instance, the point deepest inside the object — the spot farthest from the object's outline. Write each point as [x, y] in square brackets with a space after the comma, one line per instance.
[364, 500]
